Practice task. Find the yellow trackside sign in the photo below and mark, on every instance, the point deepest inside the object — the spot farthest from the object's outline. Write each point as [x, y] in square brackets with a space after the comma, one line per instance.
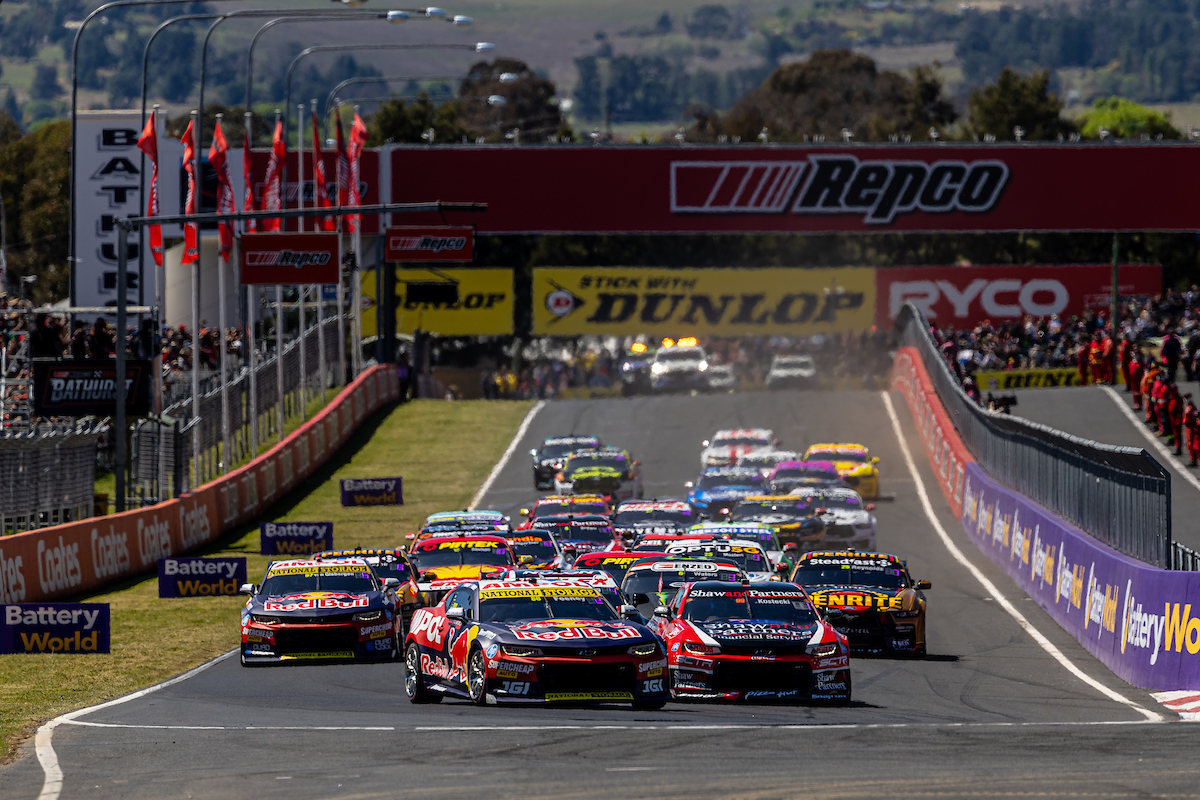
[693, 302]
[484, 307]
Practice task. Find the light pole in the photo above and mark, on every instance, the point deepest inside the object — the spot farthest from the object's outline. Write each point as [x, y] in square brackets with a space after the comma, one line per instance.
[504, 77]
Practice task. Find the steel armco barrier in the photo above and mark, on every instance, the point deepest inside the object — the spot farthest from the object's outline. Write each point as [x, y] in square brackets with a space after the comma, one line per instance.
[1120, 495]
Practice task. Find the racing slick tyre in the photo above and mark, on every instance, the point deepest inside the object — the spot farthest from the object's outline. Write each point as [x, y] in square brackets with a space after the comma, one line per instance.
[477, 677]
[414, 681]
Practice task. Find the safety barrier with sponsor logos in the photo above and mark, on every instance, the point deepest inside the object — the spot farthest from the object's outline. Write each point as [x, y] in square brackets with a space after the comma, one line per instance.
[86, 555]
[1133, 617]
[947, 453]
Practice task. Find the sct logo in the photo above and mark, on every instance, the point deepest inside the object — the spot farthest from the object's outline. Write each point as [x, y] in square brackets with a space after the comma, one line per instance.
[877, 190]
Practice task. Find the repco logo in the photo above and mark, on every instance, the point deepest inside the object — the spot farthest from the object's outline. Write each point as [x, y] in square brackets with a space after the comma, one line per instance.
[286, 258]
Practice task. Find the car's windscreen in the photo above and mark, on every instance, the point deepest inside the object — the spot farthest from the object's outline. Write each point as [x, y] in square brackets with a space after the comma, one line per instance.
[533, 543]
[553, 509]
[559, 450]
[748, 558]
[650, 581]
[389, 566]
[845, 575]
[296, 580]
[857, 456]
[430, 555]
[741, 441]
[848, 502]
[587, 462]
[774, 511]
[540, 604]
[572, 532]
[710, 606]
[805, 472]
[747, 478]
[680, 355]
[801, 362]
[766, 539]
[633, 517]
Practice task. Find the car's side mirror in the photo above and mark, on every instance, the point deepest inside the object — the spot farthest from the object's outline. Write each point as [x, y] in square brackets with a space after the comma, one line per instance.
[533, 453]
[247, 588]
[629, 612]
[924, 585]
[776, 442]
[704, 443]
[391, 583]
[456, 614]
[870, 506]
[524, 512]
[781, 568]
[640, 599]
[689, 485]
[791, 547]
[637, 462]
[523, 560]
[662, 611]
[875, 460]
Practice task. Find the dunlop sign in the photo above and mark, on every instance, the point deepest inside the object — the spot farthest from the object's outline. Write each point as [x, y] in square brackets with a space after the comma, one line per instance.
[484, 307]
[693, 302]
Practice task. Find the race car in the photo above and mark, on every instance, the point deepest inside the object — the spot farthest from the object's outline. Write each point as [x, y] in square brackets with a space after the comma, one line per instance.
[749, 557]
[482, 521]
[636, 517]
[548, 459]
[795, 521]
[741, 642]
[615, 564]
[658, 542]
[719, 488]
[558, 504]
[653, 580]
[609, 472]
[444, 561]
[853, 462]
[760, 533]
[792, 372]
[332, 609]
[727, 446]
[536, 548]
[635, 369]
[765, 461]
[849, 522]
[387, 563]
[869, 597]
[525, 642]
[679, 366]
[580, 533]
[789, 475]
[609, 587]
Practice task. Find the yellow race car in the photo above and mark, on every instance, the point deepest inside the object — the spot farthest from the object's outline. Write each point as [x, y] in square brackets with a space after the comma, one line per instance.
[854, 463]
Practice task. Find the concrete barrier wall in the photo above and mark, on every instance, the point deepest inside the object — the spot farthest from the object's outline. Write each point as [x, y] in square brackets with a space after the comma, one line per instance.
[85, 556]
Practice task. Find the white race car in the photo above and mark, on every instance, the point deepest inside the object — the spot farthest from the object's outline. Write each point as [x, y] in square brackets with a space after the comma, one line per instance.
[764, 462]
[849, 523]
[726, 447]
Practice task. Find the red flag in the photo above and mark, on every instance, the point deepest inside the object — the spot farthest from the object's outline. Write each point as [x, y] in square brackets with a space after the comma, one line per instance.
[225, 202]
[248, 180]
[148, 144]
[190, 249]
[320, 183]
[272, 191]
[358, 138]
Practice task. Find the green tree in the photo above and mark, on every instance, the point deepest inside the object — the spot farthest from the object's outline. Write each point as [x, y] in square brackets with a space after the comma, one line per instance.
[1013, 101]
[530, 102]
[45, 83]
[401, 121]
[1125, 119]
[35, 181]
[12, 107]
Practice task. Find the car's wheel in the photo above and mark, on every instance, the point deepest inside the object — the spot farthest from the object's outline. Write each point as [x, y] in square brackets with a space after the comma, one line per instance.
[414, 681]
[396, 649]
[648, 705]
[242, 654]
[477, 677]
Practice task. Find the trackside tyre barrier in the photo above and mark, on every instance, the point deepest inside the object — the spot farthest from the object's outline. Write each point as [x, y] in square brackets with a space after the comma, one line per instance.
[86, 555]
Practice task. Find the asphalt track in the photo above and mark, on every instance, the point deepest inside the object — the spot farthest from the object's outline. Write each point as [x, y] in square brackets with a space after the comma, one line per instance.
[988, 714]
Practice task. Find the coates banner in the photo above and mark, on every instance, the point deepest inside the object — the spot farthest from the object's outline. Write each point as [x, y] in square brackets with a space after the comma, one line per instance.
[289, 258]
[200, 577]
[295, 538]
[693, 302]
[484, 307]
[863, 188]
[410, 243]
[372, 492]
[55, 628]
[368, 186]
[961, 297]
[89, 387]
[1136, 619]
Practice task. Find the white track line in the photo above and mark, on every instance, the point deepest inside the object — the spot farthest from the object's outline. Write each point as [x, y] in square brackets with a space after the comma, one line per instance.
[232, 727]
[1169, 457]
[780, 726]
[990, 587]
[512, 448]
[52, 786]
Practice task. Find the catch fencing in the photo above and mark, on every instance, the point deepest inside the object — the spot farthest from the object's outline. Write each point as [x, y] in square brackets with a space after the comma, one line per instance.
[1119, 495]
[47, 475]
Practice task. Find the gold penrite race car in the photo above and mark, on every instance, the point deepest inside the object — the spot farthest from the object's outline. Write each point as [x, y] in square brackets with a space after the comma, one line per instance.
[868, 597]
[854, 463]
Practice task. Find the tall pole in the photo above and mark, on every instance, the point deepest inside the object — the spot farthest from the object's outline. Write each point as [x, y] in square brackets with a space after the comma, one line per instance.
[356, 276]
[279, 355]
[320, 288]
[196, 309]
[119, 382]
[251, 350]
[300, 289]
[222, 322]
[341, 291]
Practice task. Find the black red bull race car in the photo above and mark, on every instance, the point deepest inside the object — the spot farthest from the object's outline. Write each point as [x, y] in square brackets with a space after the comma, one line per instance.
[743, 642]
[518, 641]
[387, 563]
[446, 559]
[321, 610]
[869, 597]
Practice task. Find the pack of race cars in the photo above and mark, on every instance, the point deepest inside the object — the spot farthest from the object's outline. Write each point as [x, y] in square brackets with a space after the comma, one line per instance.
[759, 585]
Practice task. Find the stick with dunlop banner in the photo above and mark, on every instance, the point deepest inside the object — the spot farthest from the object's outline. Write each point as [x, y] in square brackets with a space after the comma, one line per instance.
[200, 577]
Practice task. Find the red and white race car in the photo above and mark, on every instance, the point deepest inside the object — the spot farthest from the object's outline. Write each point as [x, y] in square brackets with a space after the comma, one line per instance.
[727, 446]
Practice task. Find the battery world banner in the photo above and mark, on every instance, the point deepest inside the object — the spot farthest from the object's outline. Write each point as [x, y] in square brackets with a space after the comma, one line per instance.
[295, 538]
[410, 243]
[200, 577]
[962, 297]
[55, 628]
[822, 189]
[694, 302]
[484, 307]
[89, 387]
[289, 258]
[372, 492]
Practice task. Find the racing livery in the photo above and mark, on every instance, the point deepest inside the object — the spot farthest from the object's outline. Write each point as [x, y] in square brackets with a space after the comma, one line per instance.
[548, 459]
[615, 564]
[580, 533]
[727, 446]
[749, 557]
[387, 563]
[718, 489]
[536, 548]
[789, 475]
[652, 581]
[556, 504]
[760, 533]
[741, 642]
[609, 472]
[529, 641]
[869, 597]
[849, 523]
[634, 518]
[765, 461]
[332, 609]
[444, 561]
[853, 462]
[795, 521]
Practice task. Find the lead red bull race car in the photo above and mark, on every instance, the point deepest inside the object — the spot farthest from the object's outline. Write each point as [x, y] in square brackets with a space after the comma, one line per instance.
[519, 641]
[743, 642]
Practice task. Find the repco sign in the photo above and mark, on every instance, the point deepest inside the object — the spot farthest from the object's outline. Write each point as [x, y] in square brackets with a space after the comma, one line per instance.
[289, 258]
[407, 243]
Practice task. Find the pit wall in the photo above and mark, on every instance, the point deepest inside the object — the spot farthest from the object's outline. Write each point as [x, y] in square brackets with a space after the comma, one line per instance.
[85, 556]
[1134, 618]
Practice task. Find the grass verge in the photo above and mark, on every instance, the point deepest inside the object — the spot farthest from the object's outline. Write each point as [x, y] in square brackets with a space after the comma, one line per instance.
[442, 450]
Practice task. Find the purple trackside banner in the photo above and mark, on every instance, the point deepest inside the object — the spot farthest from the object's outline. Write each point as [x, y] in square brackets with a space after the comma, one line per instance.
[1137, 619]
[372, 492]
